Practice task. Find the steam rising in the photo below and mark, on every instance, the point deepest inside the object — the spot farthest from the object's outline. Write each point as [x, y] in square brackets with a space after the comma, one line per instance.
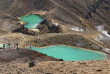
[77, 29]
[106, 50]
[103, 38]
[56, 24]
[35, 26]
[101, 29]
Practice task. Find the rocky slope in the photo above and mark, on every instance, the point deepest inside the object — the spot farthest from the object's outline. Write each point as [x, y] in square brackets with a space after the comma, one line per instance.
[24, 61]
[78, 15]
[23, 55]
[81, 13]
[61, 67]
[80, 23]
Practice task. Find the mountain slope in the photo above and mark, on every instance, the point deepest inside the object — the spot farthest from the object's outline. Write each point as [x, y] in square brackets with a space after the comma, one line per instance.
[89, 13]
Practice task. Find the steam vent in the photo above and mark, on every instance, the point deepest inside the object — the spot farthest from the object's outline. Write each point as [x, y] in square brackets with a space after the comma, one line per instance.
[55, 36]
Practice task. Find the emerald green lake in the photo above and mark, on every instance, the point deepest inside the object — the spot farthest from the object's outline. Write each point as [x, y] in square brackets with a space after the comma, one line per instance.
[70, 53]
[32, 20]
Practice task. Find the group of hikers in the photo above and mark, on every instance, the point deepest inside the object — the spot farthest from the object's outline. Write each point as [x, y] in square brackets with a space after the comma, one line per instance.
[8, 44]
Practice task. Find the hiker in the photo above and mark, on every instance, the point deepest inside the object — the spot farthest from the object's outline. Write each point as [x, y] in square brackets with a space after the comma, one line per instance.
[30, 47]
[4, 46]
[9, 45]
[17, 45]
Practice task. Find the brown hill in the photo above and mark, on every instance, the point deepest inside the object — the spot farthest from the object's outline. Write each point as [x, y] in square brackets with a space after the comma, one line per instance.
[85, 14]
[81, 13]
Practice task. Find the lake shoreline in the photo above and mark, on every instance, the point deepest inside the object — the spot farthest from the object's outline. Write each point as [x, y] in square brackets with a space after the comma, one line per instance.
[70, 48]
[107, 54]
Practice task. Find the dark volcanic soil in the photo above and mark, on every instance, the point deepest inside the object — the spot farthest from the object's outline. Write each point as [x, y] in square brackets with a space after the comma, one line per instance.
[23, 55]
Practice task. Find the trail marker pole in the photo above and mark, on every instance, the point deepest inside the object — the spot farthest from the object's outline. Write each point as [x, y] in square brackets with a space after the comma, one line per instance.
[9, 45]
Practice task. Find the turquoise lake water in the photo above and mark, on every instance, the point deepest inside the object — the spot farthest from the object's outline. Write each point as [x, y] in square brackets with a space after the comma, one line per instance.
[70, 53]
[32, 20]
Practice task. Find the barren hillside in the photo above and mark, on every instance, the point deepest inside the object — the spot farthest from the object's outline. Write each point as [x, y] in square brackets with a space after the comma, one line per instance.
[81, 13]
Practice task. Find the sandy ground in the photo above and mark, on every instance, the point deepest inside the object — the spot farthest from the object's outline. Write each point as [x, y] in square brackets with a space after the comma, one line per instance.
[54, 67]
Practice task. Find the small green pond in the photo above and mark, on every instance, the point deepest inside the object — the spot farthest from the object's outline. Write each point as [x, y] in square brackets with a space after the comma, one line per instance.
[68, 53]
[33, 20]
